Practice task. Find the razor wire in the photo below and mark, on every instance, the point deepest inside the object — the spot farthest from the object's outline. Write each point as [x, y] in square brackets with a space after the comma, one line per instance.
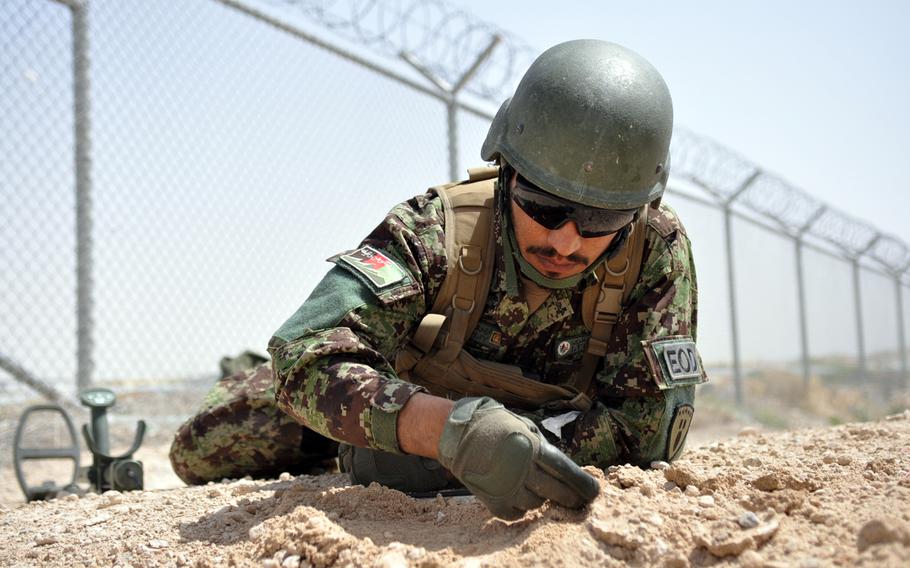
[444, 39]
[730, 178]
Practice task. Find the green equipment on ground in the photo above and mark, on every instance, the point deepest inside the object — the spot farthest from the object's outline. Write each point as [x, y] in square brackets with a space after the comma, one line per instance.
[107, 472]
[120, 473]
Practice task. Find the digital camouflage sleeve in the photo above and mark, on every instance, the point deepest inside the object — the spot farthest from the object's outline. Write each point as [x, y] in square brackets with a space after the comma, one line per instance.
[333, 359]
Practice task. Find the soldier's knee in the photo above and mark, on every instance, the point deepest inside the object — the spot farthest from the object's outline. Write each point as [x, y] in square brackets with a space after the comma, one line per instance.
[203, 449]
[185, 455]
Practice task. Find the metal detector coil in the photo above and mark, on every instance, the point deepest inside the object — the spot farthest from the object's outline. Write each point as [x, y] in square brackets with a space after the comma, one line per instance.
[48, 489]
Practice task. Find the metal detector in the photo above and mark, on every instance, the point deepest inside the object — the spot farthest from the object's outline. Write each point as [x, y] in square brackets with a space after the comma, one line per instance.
[107, 472]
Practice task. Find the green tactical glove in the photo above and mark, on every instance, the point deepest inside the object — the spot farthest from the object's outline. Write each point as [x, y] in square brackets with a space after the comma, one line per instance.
[505, 461]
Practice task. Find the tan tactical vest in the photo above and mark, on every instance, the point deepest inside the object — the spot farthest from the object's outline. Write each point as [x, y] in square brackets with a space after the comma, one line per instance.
[435, 358]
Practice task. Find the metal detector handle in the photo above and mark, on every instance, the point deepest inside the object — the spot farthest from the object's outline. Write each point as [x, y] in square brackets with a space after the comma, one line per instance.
[137, 441]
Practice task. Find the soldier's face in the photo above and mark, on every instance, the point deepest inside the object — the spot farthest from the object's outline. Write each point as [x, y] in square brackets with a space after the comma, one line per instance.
[557, 253]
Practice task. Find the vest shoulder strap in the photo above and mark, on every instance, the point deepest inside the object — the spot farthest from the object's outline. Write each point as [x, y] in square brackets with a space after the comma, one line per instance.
[602, 305]
[470, 247]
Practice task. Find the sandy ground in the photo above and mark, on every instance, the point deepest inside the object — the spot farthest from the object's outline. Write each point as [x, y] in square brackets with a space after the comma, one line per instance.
[817, 497]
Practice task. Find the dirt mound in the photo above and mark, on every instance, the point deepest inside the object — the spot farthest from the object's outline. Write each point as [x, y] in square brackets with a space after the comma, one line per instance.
[837, 496]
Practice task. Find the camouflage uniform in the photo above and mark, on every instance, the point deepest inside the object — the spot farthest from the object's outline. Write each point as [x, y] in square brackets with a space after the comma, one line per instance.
[332, 361]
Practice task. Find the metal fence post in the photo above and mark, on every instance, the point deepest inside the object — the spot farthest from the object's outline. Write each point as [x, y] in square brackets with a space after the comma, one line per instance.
[858, 314]
[731, 280]
[801, 299]
[858, 308]
[452, 129]
[901, 329]
[450, 93]
[83, 170]
[801, 296]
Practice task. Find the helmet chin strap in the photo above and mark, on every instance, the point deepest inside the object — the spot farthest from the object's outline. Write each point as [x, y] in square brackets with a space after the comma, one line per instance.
[511, 252]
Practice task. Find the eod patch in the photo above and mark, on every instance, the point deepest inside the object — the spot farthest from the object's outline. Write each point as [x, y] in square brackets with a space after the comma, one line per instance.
[674, 361]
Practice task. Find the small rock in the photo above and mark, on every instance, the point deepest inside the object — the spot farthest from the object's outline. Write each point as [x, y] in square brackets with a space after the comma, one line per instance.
[752, 462]
[657, 549]
[711, 513]
[844, 460]
[109, 499]
[102, 518]
[628, 477]
[829, 458]
[724, 540]
[748, 431]
[653, 518]
[440, 516]
[256, 532]
[285, 476]
[748, 520]
[291, 561]
[462, 499]
[670, 486]
[158, 543]
[71, 497]
[706, 501]
[417, 553]
[751, 559]
[213, 492]
[45, 540]
[616, 535]
[392, 559]
[882, 531]
[244, 487]
[692, 491]
[661, 465]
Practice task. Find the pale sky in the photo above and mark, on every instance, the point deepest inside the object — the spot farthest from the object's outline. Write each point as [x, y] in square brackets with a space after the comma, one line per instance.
[816, 92]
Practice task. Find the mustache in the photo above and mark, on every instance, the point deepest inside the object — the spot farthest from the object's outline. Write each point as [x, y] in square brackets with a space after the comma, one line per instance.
[550, 252]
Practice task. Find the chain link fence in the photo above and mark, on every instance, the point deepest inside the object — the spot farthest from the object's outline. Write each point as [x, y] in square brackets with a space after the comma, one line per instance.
[229, 148]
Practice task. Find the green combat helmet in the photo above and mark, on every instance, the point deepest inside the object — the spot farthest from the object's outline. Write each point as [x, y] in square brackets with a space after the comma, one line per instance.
[591, 122]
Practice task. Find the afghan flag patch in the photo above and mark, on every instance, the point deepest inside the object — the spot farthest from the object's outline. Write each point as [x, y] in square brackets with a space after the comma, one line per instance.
[378, 268]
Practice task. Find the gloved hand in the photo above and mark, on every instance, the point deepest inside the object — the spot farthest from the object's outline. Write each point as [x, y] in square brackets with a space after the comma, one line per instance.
[505, 461]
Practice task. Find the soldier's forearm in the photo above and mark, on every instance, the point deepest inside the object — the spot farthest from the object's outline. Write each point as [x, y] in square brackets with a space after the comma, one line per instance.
[420, 424]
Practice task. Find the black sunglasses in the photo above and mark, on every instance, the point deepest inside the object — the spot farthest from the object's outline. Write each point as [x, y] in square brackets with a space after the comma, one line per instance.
[553, 212]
